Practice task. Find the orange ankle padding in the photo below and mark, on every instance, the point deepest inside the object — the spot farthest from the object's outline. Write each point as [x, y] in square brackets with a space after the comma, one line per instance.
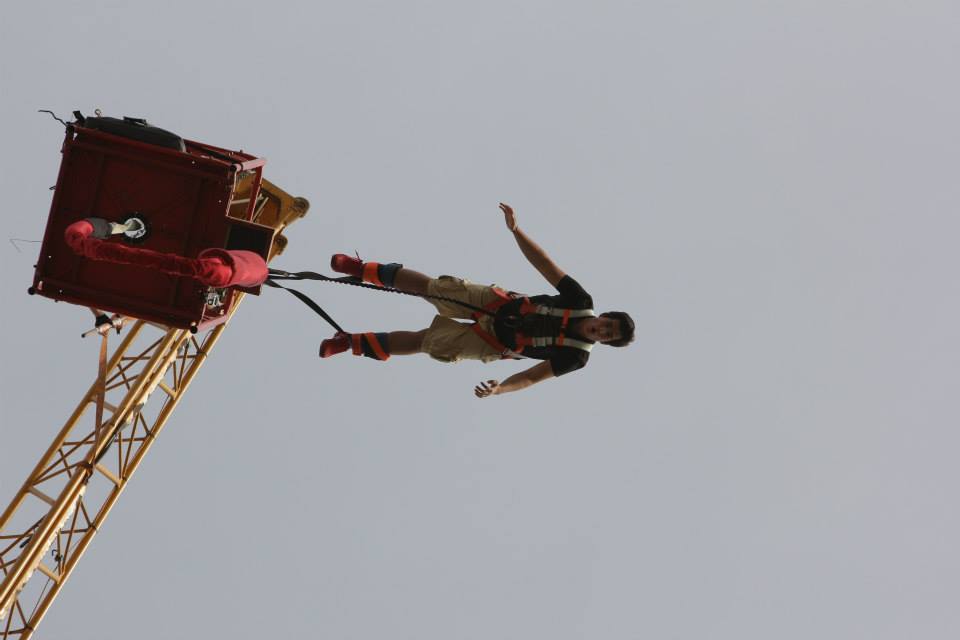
[376, 346]
[371, 273]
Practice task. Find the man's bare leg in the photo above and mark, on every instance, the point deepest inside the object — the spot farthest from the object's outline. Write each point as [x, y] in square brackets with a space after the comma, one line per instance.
[412, 281]
[405, 343]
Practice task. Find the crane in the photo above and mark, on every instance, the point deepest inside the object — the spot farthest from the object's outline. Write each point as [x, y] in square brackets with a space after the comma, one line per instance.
[164, 194]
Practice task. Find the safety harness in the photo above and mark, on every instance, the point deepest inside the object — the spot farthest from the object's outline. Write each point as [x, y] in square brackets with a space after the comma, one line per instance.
[523, 341]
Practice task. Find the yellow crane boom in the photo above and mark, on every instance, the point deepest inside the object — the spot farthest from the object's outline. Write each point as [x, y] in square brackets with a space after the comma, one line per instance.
[64, 501]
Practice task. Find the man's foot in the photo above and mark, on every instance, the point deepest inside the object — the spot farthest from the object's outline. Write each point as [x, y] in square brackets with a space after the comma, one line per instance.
[342, 263]
[339, 343]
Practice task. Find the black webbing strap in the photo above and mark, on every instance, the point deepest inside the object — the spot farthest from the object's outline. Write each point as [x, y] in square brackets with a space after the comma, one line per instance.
[307, 301]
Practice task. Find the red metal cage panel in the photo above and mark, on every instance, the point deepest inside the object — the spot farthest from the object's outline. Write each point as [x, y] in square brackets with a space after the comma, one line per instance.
[185, 197]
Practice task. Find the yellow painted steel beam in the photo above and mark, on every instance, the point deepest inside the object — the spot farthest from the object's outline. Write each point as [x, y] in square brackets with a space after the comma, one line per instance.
[22, 560]
[71, 490]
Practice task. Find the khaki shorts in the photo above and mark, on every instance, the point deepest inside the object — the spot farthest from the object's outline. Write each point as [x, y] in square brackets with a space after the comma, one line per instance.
[448, 340]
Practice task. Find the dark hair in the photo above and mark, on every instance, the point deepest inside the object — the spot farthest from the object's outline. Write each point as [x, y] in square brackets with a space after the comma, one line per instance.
[626, 328]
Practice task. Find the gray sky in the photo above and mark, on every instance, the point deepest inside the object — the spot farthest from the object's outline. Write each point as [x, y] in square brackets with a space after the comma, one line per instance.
[770, 188]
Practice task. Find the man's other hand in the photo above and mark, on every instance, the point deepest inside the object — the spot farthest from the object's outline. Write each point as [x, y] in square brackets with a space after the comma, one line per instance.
[488, 388]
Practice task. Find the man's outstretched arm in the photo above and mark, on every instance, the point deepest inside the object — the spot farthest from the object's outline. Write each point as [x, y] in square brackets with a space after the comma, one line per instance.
[516, 382]
[531, 250]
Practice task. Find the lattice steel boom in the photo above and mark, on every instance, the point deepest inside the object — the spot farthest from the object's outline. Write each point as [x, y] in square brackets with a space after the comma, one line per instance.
[63, 503]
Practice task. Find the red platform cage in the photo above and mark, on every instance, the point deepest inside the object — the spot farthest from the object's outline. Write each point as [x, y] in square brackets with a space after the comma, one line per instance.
[188, 195]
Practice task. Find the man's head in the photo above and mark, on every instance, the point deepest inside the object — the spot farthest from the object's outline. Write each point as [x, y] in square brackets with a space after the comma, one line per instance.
[614, 328]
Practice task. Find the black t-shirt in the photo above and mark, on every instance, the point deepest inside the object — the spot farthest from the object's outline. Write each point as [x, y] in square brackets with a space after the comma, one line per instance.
[562, 359]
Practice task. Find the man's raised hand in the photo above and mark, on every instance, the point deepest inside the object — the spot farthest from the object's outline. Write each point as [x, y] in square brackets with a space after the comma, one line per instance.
[508, 216]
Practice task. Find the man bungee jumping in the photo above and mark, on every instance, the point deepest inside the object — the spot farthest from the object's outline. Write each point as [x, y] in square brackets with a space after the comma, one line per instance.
[560, 329]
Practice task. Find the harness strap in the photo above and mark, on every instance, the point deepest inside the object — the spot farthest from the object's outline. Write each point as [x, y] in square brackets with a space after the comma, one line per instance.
[563, 327]
[491, 340]
[545, 310]
[548, 341]
[491, 309]
[493, 306]
[310, 303]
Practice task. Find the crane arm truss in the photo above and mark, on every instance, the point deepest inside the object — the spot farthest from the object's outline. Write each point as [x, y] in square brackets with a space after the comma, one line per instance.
[66, 498]
[59, 509]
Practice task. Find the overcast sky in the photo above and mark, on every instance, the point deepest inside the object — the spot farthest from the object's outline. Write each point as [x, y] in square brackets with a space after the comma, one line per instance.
[770, 188]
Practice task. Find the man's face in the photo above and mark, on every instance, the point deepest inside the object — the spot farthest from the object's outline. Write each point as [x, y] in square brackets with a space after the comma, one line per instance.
[601, 329]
